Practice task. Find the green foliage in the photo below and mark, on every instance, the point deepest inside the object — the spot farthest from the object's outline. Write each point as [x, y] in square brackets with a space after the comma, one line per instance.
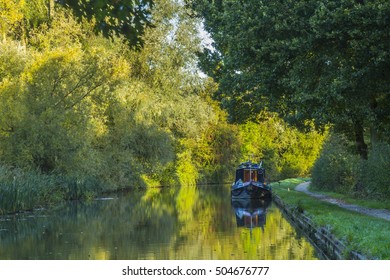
[336, 168]
[21, 17]
[121, 17]
[286, 152]
[29, 189]
[339, 170]
[10, 14]
[187, 172]
[217, 153]
[322, 61]
[36, 12]
[88, 112]
[58, 99]
[374, 175]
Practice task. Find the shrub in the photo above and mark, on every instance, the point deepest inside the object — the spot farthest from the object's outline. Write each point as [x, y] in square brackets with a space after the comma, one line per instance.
[375, 176]
[336, 168]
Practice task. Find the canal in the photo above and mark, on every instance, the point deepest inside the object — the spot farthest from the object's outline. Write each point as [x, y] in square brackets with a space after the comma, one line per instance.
[170, 223]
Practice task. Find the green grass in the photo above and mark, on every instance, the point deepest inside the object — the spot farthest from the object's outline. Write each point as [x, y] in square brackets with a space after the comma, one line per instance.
[367, 202]
[364, 234]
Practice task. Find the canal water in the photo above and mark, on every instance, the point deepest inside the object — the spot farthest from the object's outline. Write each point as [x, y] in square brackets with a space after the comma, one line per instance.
[170, 223]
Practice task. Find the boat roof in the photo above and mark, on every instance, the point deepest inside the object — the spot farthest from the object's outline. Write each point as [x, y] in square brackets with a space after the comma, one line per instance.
[249, 164]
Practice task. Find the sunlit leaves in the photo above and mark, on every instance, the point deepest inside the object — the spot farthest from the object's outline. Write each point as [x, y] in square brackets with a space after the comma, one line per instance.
[76, 103]
[17, 17]
[60, 99]
[11, 12]
[12, 62]
[286, 151]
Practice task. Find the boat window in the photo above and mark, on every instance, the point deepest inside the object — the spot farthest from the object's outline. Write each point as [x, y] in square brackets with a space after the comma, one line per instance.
[250, 175]
[261, 175]
[239, 174]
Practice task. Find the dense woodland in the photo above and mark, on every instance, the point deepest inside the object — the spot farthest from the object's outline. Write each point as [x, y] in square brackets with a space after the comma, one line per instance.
[107, 96]
[321, 64]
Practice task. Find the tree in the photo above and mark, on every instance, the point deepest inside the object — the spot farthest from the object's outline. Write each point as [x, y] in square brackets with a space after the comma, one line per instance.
[121, 17]
[166, 89]
[20, 17]
[54, 101]
[10, 14]
[327, 62]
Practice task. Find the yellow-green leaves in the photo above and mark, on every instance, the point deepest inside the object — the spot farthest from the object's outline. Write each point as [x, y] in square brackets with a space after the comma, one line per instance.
[11, 12]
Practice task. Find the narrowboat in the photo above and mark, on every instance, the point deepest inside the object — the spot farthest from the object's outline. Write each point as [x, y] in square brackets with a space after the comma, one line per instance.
[250, 182]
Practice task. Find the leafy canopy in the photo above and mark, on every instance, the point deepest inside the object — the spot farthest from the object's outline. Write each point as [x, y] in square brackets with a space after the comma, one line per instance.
[322, 61]
[120, 17]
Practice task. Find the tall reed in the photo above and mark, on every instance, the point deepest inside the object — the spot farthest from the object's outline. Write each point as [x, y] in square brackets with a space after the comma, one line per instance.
[26, 190]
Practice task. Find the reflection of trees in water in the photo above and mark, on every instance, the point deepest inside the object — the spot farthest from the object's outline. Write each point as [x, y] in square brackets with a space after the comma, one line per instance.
[115, 229]
[185, 223]
[216, 235]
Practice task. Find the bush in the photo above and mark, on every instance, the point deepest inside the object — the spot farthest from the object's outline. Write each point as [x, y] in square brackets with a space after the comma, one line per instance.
[375, 176]
[336, 168]
[340, 170]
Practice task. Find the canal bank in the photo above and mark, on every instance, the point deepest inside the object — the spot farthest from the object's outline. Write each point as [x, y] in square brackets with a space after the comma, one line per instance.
[325, 242]
[338, 233]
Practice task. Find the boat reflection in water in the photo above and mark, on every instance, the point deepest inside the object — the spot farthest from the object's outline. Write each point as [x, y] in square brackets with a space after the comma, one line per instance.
[251, 213]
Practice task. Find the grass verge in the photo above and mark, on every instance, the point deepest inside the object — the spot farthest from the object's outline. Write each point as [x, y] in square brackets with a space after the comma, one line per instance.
[364, 234]
[368, 203]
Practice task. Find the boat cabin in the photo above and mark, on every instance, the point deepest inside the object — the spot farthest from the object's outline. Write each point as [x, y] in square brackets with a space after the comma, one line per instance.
[250, 172]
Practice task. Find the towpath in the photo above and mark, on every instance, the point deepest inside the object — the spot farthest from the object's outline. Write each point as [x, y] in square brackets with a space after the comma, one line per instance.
[378, 213]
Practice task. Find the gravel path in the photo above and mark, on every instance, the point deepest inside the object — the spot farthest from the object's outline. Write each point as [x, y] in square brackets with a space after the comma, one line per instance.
[378, 213]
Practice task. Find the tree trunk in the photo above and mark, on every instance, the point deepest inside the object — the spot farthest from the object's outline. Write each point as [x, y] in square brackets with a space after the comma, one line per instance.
[50, 8]
[361, 146]
[374, 136]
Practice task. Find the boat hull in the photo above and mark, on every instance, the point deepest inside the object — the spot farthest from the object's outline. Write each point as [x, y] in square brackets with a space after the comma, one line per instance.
[250, 190]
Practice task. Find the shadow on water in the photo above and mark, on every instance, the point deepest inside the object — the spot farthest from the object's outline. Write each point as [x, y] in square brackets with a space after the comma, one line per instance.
[175, 223]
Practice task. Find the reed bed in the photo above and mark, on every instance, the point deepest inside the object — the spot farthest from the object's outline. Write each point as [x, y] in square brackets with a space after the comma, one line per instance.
[27, 190]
